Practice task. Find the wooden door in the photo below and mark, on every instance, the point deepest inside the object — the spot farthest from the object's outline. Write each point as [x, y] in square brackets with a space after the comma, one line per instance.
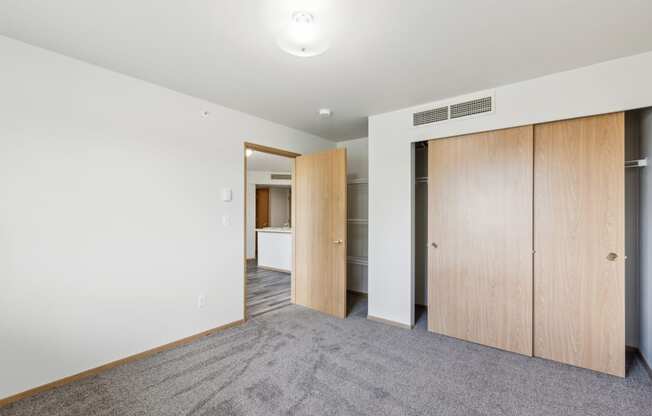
[579, 270]
[320, 231]
[262, 207]
[480, 238]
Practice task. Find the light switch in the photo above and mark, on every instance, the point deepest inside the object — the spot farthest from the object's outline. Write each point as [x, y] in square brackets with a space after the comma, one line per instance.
[226, 220]
[227, 195]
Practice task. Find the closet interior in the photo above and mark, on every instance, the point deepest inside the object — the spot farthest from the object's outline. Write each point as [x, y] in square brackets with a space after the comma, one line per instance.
[421, 234]
[357, 235]
[528, 239]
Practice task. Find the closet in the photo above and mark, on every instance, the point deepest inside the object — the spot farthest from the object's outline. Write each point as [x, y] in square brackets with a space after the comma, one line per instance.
[357, 235]
[526, 240]
[420, 233]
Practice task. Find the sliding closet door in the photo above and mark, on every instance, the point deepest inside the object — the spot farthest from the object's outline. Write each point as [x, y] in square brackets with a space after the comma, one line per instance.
[579, 267]
[480, 238]
[320, 231]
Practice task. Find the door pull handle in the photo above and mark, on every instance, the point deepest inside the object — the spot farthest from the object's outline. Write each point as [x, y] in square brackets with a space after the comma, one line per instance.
[338, 242]
[612, 256]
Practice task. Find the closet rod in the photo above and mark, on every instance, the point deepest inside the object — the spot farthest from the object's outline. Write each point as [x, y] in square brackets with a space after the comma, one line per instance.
[639, 163]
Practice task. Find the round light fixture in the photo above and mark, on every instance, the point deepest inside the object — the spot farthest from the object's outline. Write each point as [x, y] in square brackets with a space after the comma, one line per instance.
[248, 152]
[302, 36]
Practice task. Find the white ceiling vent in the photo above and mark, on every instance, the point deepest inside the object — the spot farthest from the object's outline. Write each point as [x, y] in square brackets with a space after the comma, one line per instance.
[430, 116]
[454, 111]
[468, 108]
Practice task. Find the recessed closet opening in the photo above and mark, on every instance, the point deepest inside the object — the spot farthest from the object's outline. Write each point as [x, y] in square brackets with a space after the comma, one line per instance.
[421, 235]
[638, 232]
[358, 245]
[357, 225]
[536, 239]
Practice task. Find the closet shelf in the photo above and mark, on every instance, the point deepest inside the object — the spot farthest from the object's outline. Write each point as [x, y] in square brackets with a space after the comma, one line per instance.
[357, 221]
[360, 260]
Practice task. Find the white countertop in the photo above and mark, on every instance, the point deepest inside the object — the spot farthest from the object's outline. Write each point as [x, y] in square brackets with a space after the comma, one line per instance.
[274, 230]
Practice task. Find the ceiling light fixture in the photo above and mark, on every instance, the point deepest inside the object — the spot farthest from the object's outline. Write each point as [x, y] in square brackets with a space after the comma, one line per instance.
[248, 152]
[302, 36]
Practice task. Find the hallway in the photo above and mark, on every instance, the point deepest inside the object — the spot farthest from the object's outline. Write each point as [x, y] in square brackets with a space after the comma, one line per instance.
[267, 290]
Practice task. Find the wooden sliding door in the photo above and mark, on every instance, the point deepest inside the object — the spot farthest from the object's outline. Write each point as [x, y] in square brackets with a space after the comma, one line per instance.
[579, 241]
[480, 238]
[320, 232]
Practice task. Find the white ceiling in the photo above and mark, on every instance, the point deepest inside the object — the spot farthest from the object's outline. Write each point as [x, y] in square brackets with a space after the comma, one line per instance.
[384, 55]
[266, 162]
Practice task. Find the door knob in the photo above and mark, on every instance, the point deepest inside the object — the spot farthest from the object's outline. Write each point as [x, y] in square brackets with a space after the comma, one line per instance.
[338, 242]
[612, 256]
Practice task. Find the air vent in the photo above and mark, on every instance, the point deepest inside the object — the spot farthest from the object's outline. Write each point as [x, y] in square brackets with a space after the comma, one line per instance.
[481, 105]
[430, 116]
[281, 176]
[454, 111]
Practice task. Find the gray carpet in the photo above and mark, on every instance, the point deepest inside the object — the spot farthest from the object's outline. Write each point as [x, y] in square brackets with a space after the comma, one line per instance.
[294, 361]
[267, 290]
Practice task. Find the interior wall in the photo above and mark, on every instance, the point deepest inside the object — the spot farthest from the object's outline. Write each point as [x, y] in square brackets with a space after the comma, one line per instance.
[251, 221]
[279, 207]
[617, 85]
[357, 166]
[265, 178]
[112, 221]
[645, 283]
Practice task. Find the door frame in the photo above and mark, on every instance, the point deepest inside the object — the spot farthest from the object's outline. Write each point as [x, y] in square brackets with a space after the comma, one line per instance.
[278, 152]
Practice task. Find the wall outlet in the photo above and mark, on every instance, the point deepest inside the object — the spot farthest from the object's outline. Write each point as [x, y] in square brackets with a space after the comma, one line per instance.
[201, 301]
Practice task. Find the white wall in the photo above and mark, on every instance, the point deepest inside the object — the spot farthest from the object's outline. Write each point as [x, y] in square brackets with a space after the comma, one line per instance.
[251, 221]
[279, 207]
[111, 214]
[611, 86]
[265, 178]
[645, 284]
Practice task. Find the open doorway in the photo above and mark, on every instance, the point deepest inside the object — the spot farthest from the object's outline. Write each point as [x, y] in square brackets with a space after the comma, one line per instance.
[268, 229]
[308, 241]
